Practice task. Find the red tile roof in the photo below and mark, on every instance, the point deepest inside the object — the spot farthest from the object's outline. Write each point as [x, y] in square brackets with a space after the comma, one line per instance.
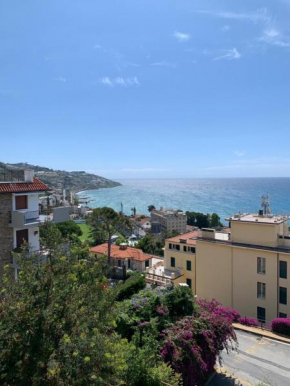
[20, 187]
[190, 238]
[118, 253]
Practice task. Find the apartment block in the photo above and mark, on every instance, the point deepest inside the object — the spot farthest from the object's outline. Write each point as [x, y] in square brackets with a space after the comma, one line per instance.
[170, 220]
[249, 268]
[245, 266]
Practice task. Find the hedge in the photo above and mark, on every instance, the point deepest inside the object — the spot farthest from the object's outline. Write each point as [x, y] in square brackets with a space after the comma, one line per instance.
[281, 326]
[250, 322]
[134, 284]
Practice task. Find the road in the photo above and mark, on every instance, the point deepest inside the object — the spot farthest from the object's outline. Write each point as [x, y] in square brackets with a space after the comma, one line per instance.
[256, 360]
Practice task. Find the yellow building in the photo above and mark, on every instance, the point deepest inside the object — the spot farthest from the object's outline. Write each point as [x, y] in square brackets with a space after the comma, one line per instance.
[246, 267]
[179, 259]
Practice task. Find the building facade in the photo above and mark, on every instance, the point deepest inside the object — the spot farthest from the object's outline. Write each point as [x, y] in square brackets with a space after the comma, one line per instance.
[19, 214]
[180, 259]
[248, 269]
[246, 266]
[170, 220]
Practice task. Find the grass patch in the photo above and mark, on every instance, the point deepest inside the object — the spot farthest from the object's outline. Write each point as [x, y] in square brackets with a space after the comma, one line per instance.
[86, 232]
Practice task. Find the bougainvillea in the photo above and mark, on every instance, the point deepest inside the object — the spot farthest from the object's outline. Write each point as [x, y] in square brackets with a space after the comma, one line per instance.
[214, 306]
[193, 344]
[250, 322]
[281, 326]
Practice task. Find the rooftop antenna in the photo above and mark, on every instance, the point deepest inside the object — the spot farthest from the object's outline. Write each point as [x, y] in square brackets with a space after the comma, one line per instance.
[265, 204]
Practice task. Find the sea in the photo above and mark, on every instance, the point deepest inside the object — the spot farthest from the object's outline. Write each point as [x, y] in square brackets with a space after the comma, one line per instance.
[224, 196]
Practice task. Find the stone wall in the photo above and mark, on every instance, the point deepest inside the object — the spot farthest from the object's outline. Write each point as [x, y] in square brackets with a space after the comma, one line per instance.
[6, 232]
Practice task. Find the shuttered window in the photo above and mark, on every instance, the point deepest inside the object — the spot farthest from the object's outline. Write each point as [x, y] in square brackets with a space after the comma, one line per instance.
[20, 202]
[261, 265]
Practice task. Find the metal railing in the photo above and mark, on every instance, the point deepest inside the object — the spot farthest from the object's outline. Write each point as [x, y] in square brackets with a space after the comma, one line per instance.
[31, 216]
[12, 176]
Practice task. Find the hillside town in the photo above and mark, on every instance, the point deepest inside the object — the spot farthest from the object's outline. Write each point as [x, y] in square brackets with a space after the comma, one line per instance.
[243, 266]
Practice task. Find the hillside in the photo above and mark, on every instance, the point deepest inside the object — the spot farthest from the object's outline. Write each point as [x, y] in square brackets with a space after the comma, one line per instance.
[59, 179]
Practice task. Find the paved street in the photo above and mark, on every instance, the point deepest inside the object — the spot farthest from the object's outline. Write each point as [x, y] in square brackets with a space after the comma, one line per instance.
[256, 360]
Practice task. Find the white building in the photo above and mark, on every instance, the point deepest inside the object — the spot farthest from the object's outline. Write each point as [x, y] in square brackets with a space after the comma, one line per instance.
[19, 213]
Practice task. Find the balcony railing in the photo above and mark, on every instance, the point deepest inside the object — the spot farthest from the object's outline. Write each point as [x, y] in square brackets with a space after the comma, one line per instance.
[157, 279]
[19, 219]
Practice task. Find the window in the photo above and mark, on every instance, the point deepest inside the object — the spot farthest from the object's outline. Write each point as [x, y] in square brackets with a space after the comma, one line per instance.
[283, 295]
[119, 263]
[146, 263]
[170, 246]
[283, 269]
[282, 315]
[192, 249]
[172, 261]
[188, 265]
[261, 265]
[261, 290]
[184, 248]
[177, 247]
[21, 202]
[188, 282]
[261, 314]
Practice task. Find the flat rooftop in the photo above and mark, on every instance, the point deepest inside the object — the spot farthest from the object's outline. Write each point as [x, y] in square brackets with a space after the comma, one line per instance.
[168, 212]
[187, 238]
[255, 218]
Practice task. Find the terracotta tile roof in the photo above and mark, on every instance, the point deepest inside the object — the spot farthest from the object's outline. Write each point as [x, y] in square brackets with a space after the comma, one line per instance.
[19, 187]
[190, 238]
[117, 253]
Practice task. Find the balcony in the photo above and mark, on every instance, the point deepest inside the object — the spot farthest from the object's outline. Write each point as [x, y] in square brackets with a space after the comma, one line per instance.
[24, 218]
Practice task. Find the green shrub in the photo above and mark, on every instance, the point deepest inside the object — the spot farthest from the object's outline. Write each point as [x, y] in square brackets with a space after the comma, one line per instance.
[132, 285]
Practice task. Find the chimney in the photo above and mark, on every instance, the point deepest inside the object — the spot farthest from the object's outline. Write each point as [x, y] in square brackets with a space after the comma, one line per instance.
[28, 175]
[123, 246]
[208, 233]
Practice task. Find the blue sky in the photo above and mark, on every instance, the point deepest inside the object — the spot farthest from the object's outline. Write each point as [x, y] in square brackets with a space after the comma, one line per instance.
[147, 88]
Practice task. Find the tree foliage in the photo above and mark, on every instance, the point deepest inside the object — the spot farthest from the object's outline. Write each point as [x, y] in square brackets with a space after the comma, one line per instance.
[51, 235]
[56, 325]
[69, 229]
[201, 220]
[105, 222]
[151, 244]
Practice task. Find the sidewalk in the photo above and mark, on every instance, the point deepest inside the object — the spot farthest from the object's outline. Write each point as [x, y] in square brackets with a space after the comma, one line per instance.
[260, 332]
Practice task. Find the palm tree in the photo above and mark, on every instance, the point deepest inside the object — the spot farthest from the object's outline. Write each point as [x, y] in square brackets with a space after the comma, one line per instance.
[150, 208]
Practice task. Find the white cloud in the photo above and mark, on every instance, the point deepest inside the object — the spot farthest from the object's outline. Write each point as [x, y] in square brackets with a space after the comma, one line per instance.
[274, 37]
[164, 63]
[229, 55]
[239, 153]
[133, 81]
[107, 81]
[181, 37]
[226, 28]
[97, 46]
[130, 64]
[120, 81]
[60, 79]
[260, 15]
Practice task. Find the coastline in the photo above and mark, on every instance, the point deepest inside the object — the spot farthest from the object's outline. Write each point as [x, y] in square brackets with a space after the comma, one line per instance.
[225, 197]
